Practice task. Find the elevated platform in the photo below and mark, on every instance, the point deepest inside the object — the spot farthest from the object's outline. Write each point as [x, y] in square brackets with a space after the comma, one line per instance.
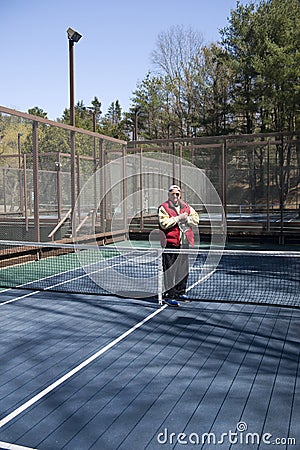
[237, 228]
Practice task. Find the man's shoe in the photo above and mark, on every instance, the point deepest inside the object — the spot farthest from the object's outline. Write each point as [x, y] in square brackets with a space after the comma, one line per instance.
[171, 302]
[184, 298]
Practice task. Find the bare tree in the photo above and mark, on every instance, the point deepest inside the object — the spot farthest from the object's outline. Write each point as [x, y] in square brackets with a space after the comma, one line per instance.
[176, 51]
[176, 58]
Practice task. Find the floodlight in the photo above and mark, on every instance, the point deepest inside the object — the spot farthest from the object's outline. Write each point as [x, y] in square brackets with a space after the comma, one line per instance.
[73, 35]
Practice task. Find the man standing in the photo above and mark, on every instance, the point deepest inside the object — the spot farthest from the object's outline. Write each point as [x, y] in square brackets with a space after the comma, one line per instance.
[176, 219]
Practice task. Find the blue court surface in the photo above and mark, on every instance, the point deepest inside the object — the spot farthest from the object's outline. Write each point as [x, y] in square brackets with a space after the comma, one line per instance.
[98, 372]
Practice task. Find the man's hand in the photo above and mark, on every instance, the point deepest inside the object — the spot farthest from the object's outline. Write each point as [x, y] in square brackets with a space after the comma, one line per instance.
[182, 217]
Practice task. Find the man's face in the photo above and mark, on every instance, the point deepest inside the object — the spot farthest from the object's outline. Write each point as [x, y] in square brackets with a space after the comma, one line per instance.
[174, 196]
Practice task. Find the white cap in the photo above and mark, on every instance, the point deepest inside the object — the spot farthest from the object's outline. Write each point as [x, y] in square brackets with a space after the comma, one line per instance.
[174, 186]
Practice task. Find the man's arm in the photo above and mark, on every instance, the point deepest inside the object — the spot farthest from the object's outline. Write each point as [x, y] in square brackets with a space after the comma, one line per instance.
[193, 218]
[164, 220]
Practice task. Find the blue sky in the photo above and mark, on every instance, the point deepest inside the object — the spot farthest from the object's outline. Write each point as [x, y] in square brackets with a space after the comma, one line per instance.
[110, 59]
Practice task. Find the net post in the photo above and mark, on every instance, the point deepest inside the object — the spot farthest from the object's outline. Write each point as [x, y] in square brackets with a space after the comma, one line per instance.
[160, 279]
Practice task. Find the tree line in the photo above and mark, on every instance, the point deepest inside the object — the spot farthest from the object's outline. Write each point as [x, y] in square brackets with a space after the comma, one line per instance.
[247, 82]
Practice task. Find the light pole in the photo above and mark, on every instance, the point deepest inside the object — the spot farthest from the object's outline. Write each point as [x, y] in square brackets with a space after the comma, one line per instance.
[73, 37]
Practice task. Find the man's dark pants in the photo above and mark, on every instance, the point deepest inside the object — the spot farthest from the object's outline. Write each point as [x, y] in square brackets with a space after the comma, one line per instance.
[176, 271]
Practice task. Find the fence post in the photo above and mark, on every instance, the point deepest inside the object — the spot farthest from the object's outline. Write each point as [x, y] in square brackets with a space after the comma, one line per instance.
[73, 172]
[281, 184]
[224, 180]
[268, 186]
[25, 191]
[102, 186]
[124, 169]
[78, 187]
[141, 190]
[58, 186]
[174, 165]
[36, 182]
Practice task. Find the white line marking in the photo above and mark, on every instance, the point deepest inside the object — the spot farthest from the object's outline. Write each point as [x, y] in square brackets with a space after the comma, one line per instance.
[8, 446]
[76, 369]
[86, 274]
[19, 298]
[201, 280]
[53, 285]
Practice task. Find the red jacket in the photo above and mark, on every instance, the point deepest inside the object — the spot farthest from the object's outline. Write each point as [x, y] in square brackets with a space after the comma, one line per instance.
[171, 235]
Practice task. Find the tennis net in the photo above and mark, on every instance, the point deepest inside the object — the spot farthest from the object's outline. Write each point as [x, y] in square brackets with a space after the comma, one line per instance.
[265, 277]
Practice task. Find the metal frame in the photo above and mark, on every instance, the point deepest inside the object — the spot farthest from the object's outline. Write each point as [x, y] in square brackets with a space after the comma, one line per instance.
[75, 163]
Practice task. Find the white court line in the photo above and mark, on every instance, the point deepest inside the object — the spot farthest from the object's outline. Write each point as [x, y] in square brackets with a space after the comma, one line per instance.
[8, 446]
[53, 285]
[18, 298]
[57, 284]
[201, 280]
[20, 286]
[76, 369]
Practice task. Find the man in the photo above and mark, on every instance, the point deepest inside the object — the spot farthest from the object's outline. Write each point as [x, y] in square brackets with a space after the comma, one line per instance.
[176, 219]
